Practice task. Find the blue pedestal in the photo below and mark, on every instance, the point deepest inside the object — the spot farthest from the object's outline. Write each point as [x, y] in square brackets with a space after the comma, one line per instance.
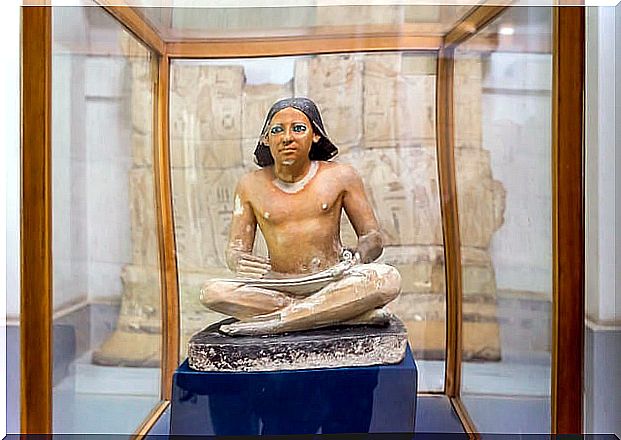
[333, 400]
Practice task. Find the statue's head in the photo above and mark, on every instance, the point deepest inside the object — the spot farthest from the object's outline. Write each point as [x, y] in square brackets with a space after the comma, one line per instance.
[321, 149]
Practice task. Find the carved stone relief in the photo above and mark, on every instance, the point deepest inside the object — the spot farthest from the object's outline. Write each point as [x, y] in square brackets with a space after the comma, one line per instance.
[205, 109]
[380, 100]
[335, 84]
[408, 209]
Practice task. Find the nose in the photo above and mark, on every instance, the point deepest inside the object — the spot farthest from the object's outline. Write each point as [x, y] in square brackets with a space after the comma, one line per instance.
[288, 136]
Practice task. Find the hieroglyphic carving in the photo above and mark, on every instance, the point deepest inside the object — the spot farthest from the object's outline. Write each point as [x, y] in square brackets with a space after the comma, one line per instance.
[335, 84]
[380, 99]
[219, 102]
[206, 116]
[402, 185]
[203, 203]
[216, 192]
[186, 208]
[399, 101]
[416, 110]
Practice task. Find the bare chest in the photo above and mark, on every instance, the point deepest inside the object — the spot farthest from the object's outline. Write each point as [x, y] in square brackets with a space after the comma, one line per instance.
[273, 206]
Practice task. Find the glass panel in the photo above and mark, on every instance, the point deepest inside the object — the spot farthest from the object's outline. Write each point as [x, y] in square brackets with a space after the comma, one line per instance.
[503, 83]
[106, 275]
[178, 23]
[379, 109]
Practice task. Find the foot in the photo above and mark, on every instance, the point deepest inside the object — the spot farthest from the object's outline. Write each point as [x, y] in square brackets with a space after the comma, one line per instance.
[260, 325]
[272, 323]
[376, 317]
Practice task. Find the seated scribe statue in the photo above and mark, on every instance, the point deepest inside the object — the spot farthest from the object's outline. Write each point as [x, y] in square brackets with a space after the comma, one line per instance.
[309, 280]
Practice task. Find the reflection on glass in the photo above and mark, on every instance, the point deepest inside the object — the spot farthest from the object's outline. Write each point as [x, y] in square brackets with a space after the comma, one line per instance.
[303, 20]
[503, 82]
[379, 109]
[106, 275]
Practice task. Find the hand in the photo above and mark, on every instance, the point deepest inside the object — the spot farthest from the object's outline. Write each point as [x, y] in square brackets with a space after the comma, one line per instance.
[252, 266]
[338, 270]
[370, 247]
[351, 255]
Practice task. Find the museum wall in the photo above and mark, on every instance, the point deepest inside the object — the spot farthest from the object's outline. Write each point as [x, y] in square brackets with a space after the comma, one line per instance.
[602, 360]
[603, 265]
[517, 112]
[11, 142]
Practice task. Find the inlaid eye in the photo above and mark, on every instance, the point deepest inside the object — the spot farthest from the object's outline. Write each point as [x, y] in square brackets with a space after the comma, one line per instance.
[299, 128]
[276, 129]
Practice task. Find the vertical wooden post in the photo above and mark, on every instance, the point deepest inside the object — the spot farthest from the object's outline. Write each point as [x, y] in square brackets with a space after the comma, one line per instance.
[450, 220]
[568, 220]
[36, 221]
[166, 230]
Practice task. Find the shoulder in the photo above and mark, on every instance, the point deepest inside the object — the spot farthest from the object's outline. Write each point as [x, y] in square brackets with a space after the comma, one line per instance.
[253, 179]
[344, 171]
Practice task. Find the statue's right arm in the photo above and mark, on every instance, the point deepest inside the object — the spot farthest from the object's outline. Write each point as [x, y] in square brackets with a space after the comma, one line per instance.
[239, 257]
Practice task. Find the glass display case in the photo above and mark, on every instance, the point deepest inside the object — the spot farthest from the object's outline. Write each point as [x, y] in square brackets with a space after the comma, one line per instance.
[463, 121]
[507, 249]
[104, 238]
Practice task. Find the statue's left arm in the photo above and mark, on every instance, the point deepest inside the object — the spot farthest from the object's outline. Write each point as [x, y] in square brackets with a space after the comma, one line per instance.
[361, 215]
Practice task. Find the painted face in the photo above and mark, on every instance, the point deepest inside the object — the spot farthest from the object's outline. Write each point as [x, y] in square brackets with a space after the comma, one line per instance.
[290, 136]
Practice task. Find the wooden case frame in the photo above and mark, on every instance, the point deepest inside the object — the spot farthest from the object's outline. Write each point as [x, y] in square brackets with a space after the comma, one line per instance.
[568, 195]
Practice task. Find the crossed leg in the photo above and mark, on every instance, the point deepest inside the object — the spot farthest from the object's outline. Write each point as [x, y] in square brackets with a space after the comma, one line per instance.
[352, 299]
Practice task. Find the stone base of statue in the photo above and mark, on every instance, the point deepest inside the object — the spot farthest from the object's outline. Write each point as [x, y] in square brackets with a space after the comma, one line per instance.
[330, 347]
[368, 399]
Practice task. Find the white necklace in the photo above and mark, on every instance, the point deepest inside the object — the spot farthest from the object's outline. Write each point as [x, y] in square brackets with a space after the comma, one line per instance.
[294, 187]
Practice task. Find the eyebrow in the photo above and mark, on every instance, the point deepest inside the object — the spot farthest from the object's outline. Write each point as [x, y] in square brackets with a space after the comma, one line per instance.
[294, 122]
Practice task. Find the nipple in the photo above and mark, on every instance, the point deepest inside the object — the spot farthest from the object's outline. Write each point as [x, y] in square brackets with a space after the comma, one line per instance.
[315, 263]
[266, 215]
[324, 206]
